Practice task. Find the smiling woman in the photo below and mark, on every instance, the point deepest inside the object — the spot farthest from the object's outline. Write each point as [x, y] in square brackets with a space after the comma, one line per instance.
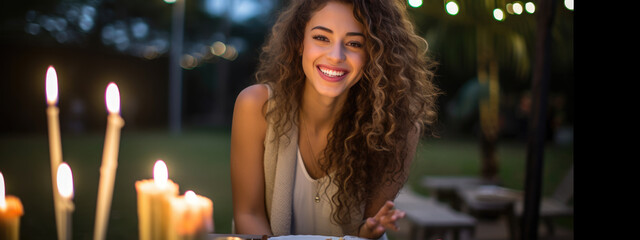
[323, 143]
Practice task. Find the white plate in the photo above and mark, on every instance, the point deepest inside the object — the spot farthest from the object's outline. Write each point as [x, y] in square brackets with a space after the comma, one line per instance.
[314, 237]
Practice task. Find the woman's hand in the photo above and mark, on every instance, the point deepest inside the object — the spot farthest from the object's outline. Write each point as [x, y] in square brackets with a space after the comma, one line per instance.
[385, 219]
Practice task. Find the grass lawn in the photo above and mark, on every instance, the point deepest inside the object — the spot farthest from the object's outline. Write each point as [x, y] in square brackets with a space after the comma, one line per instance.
[199, 161]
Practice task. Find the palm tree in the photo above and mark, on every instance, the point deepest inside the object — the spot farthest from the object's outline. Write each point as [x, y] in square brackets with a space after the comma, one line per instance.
[476, 44]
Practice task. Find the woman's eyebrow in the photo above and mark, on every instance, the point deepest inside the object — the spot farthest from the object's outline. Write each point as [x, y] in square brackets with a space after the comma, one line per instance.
[331, 31]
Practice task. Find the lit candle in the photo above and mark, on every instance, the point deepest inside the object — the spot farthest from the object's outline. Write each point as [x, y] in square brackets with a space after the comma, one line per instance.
[10, 213]
[65, 189]
[191, 217]
[109, 161]
[153, 203]
[55, 145]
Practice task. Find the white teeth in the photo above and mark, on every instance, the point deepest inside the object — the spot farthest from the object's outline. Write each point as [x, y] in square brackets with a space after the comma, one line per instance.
[331, 73]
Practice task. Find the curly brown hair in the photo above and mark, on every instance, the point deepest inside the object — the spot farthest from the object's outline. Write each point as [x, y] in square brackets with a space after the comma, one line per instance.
[395, 96]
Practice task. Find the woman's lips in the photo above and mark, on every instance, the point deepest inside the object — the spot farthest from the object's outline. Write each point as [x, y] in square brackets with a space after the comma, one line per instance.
[331, 74]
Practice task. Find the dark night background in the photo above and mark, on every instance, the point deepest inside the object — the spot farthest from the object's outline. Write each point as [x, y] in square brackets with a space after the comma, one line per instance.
[88, 54]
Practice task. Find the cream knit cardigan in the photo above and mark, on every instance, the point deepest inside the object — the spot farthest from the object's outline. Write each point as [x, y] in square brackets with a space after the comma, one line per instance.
[279, 169]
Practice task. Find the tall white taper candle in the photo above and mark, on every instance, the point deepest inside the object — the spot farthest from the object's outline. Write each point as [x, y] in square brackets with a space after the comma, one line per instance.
[109, 161]
[55, 144]
[65, 189]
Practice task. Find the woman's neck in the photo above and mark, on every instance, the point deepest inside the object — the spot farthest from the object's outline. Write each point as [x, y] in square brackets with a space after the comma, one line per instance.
[320, 112]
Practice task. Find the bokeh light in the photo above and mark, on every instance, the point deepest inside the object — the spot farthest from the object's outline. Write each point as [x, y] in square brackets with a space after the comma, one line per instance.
[452, 8]
[498, 14]
[530, 7]
[517, 8]
[415, 3]
[568, 4]
[509, 8]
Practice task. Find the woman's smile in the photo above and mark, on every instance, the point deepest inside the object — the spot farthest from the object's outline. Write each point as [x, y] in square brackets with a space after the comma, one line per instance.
[332, 74]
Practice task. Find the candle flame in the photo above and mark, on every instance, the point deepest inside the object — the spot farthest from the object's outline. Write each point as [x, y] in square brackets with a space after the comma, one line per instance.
[190, 197]
[3, 203]
[160, 174]
[65, 180]
[112, 97]
[52, 85]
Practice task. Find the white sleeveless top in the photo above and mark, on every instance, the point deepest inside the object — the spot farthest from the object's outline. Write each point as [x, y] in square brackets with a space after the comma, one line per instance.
[311, 217]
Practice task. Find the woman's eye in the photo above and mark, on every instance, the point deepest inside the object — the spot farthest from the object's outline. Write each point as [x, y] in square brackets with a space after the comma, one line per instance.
[354, 44]
[320, 38]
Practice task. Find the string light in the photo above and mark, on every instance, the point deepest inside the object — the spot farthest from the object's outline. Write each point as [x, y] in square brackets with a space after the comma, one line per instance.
[530, 7]
[415, 3]
[517, 8]
[509, 8]
[498, 14]
[568, 4]
[452, 8]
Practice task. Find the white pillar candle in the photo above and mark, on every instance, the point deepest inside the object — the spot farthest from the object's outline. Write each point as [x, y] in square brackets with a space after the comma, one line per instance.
[153, 203]
[191, 217]
[10, 213]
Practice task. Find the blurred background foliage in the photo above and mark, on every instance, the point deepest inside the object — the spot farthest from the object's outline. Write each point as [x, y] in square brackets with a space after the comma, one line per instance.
[93, 42]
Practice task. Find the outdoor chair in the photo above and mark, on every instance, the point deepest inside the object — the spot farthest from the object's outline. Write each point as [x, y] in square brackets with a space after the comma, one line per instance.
[555, 206]
[430, 219]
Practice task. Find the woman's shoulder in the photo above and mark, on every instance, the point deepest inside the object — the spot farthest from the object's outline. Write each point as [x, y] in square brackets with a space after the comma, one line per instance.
[255, 92]
[255, 95]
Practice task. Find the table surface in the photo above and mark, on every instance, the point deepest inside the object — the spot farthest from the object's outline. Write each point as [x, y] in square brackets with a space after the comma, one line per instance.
[428, 212]
[452, 182]
[224, 236]
[489, 197]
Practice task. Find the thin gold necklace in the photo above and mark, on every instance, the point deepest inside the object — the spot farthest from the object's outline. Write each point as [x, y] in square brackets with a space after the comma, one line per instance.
[306, 128]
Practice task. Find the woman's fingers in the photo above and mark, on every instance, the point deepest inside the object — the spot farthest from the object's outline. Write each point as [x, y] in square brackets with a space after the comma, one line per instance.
[389, 220]
[384, 210]
[384, 219]
[373, 227]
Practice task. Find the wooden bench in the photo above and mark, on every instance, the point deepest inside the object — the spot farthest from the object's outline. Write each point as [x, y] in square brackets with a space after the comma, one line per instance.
[445, 188]
[432, 220]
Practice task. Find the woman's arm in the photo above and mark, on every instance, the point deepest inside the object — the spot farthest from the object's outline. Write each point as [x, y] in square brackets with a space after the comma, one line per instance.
[248, 131]
[379, 213]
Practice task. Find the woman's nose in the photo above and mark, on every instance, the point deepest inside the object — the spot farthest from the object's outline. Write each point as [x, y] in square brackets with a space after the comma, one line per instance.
[336, 53]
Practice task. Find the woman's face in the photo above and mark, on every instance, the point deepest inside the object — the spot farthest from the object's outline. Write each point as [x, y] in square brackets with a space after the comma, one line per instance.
[333, 50]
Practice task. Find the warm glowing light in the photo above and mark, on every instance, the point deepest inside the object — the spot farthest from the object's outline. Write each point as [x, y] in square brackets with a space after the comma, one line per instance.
[530, 7]
[452, 8]
[52, 85]
[498, 14]
[517, 8]
[218, 48]
[190, 197]
[231, 53]
[65, 181]
[568, 4]
[415, 3]
[150, 52]
[160, 174]
[3, 203]
[112, 97]
[509, 8]
[187, 61]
